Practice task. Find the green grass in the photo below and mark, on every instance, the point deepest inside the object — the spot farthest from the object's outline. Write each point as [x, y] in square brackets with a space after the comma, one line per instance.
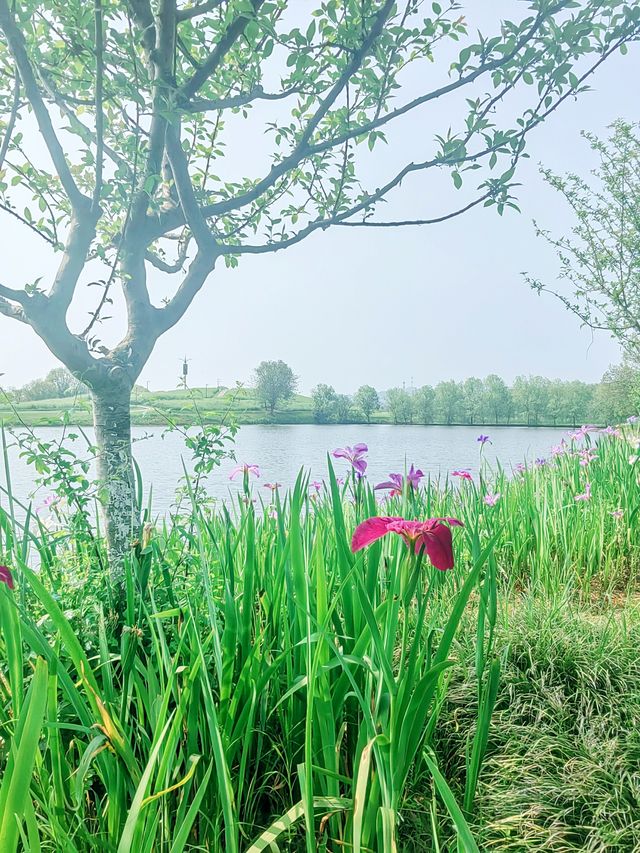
[265, 689]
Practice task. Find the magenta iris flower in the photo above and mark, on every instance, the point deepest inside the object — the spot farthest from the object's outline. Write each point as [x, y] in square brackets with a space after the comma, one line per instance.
[465, 475]
[432, 536]
[354, 455]
[316, 484]
[6, 576]
[483, 439]
[244, 469]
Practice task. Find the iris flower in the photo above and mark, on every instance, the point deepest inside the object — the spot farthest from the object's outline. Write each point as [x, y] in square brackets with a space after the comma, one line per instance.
[465, 475]
[395, 483]
[6, 576]
[272, 486]
[354, 455]
[244, 469]
[432, 535]
[483, 439]
[492, 500]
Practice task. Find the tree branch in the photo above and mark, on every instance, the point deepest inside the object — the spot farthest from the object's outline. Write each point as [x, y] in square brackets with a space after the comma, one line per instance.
[198, 9]
[12, 120]
[204, 72]
[15, 40]
[199, 269]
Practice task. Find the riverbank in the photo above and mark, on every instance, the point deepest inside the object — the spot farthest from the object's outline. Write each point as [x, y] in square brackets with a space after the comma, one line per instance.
[272, 687]
[209, 406]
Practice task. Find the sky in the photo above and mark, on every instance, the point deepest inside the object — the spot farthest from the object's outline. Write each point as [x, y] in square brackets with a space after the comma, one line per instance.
[387, 307]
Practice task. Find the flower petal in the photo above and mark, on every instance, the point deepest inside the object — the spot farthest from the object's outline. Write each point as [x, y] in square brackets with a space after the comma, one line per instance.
[438, 544]
[371, 530]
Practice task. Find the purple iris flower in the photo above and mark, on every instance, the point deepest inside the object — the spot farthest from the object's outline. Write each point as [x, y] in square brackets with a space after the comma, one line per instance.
[395, 484]
[483, 439]
[354, 455]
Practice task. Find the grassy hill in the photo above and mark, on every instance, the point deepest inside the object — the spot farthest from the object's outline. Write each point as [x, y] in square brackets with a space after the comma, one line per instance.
[210, 405]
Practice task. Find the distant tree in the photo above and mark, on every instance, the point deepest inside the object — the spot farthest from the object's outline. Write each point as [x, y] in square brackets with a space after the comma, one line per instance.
[324, 403]
[64, 383]
[367, 401]
[424, 404]
[400, 405]
[448, 401]
[275, 382]
[618, 394]
[557, 401]
[473, 399]
[58, 382]
[530, 397]
[577, 405]
[599, 261]
[497, 399]
[342, 408]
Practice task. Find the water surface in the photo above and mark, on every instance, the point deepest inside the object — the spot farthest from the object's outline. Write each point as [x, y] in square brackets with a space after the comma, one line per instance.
[281, 450]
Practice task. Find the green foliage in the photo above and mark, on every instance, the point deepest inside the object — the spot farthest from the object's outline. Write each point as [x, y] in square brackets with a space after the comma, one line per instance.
[400, 405]
[366, 400]
[599, 261]
[324, 402]
[275, 383]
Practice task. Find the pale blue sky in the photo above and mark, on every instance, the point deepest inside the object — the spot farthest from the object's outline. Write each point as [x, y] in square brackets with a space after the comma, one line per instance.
[353, 306]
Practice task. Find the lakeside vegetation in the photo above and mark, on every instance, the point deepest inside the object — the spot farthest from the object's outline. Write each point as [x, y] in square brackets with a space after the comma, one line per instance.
[266, 688]
[530, 401]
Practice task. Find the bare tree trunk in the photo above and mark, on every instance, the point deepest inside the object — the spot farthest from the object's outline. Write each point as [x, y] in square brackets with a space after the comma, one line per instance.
[112, 421]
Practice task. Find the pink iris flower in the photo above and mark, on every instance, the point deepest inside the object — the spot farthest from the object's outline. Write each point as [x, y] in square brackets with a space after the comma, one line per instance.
[245, 469]
[354, 455]
[492, 500]
[465, 475]
[587, 455]
[6, 576]
[273, 486]
[586, 495]
[316, 484]
[432, 535]
[611, 431]
[617, 513]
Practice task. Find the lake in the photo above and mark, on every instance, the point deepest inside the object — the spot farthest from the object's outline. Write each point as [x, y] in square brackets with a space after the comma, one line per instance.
[281, 450]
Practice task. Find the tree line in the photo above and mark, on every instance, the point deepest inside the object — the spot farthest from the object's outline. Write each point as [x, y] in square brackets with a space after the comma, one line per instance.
[531, 400]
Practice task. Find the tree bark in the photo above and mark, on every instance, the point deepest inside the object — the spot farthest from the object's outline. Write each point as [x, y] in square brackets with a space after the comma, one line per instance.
[112, 422]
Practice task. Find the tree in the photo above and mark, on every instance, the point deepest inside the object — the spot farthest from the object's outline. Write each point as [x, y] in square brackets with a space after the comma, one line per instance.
[530, 398]
[324, 403]
[473, 399]
[424, 404]
[497, 399]
[132, 104]
[58, 382]
[600, 262]
[274, 383]
[367, 401]
[400, 405]
[618, 395]
[342, 408]
[448, 401]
